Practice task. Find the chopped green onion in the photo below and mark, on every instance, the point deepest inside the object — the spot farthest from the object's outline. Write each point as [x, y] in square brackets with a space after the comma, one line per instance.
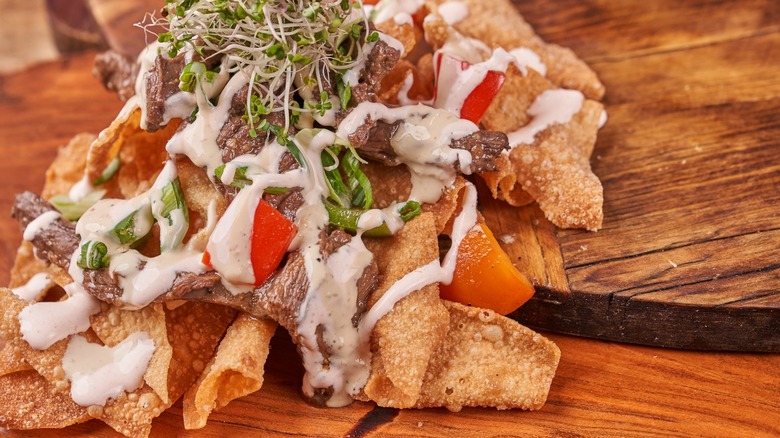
[345, 93]
[409, 210]
[239, 176]
[134, 227]
[109, 172]
[347, 218]
[276, 190]
[73, 210]
[93, 255]
[175, 210]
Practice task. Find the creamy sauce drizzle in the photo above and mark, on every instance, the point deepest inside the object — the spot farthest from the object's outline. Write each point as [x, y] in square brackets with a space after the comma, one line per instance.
[526, 58]
[43, 324]
[550, 107]
[36, 225]
[198, 140]
[390, 9]
[453, 12]
[33, 288]
[98, 373]
[421, 142]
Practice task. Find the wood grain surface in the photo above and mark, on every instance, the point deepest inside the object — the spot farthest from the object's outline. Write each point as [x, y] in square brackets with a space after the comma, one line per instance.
[690, 161]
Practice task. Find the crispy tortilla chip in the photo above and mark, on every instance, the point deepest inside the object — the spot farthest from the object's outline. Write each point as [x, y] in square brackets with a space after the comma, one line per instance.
[488, 360]
[114, 326]
[142, 153]
[11, 359]
[403, 32]
[235, 371]
[68, 167]
[554, 170]
[403, 340]
[396, 183]
[498, 24]
[26, 265]
[30, 402]
[193, 329]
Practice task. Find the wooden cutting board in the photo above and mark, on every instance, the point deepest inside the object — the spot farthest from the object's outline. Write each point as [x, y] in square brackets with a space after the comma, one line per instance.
[690, 163]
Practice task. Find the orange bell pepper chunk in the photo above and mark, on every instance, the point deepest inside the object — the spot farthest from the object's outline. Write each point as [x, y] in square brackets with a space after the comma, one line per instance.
[485, 276]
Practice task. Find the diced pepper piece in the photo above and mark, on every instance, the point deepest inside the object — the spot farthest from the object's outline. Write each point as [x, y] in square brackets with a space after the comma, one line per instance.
[485, 276]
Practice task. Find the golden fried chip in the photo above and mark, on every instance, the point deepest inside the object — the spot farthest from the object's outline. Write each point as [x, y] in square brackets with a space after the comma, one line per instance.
[555, 169]
[488, 360]
[497, 23]
[109, 142]
[403, 32]
[68, 167]
[11, 359]
[235, 371]
[143, 156]
[403, 341]
[200, 194]
[396, 183]
[193, 329]
[30, 402]
[114, 326]
[26, 265]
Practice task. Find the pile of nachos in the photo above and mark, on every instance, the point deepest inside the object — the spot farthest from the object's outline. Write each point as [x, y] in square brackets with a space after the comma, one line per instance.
[303, 166]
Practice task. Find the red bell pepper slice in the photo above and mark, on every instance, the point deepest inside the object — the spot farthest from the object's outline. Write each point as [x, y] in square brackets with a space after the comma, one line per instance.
[479, 99]
[271, 236]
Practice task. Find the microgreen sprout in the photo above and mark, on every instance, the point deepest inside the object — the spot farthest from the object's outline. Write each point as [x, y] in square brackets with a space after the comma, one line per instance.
[281, 45]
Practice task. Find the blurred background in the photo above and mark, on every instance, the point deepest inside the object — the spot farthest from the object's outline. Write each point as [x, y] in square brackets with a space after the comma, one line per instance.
[35, 31]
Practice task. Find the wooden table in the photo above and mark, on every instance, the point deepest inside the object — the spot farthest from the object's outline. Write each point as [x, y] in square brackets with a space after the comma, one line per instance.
[684, 81]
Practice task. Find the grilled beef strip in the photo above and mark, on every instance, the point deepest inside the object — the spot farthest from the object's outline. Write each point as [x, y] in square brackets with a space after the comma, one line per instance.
[373, 141]
[117, 72]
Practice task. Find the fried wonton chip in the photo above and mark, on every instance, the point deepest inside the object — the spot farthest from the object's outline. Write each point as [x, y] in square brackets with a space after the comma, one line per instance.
[68, 167]
[235, 371]
[11, 359]
[488, 360]
[31, 402]
[403, 340]
[405, 82]
[193, 329]
[555, 169]
[498, 24]
[403, 32]
[141, 153]
[114, 325]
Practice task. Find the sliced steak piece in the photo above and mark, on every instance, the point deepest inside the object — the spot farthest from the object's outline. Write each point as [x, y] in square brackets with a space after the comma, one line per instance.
[379, 63]
[117, 72]
[162, 82]
[374, 142]
[55, 243]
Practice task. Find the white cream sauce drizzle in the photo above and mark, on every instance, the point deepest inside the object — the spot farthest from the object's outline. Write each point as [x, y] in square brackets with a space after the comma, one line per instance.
[550, 107]
[453, 12]
[42, 324]
[389, 9]
[36, 225]
[198, 140]
[98, 373]
[81, 189]
[33, 288]
[421, 142]
[526, 58]
[230, 244]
